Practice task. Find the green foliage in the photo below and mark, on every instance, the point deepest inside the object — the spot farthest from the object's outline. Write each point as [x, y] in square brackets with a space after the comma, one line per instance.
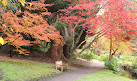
[125, 65]
[117, 64]
[43, 47]
[105, 75]
[59, 25]
[58, 3]
[135, 63]
[11, 5]
[113, 64]
[103, 57]
[134, 71]
[25, 71]
[88, 55]
[76, 63]
[91, 55]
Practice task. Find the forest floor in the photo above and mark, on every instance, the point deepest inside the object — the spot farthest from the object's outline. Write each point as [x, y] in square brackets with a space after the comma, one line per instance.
[72, 75]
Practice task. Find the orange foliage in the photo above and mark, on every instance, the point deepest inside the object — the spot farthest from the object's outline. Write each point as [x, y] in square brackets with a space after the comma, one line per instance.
[31, 23]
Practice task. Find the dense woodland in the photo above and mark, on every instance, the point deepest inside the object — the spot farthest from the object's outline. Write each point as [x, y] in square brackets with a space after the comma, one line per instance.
[61, 27]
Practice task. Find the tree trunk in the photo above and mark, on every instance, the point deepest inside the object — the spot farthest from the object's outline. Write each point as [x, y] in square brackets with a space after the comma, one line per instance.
[82, 38]
[67, 51]
[110, 55]
[55, 52]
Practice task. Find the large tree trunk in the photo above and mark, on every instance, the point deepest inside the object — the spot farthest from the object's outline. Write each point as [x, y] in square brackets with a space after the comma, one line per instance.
[55, 52]
[66, 51]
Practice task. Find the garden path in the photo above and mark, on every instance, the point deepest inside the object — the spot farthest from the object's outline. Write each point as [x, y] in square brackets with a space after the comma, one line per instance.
[72, 75]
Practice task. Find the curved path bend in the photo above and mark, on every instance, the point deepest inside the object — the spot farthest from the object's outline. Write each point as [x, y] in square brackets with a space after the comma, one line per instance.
[73, 75]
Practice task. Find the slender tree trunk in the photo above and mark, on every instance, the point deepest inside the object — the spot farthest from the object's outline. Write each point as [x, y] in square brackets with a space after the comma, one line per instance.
[110, 55]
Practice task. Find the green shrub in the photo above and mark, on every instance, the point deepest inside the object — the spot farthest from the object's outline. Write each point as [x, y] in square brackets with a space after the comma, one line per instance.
[113, 64]
[90, 55]
[86, 55]
[125, 73]
[135, 63]
[134, 70]
[103, 57]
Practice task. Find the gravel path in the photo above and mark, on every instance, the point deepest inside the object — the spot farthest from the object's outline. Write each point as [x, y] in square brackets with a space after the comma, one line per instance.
[73, 75]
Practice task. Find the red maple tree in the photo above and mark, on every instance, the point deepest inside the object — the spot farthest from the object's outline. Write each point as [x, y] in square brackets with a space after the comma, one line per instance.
[117, 18]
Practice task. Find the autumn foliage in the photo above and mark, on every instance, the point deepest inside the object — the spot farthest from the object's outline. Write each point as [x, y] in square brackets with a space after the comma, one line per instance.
[112, 18]
[82, 14]
[29, 23]
[119, 19]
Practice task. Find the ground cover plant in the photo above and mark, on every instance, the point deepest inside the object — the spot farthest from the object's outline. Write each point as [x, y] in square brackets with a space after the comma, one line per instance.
[125, 66]
[106, 75]
[16, 70]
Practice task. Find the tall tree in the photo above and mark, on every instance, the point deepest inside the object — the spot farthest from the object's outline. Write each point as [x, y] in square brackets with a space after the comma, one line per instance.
[29, 23]
[117, 20]
[78, 20]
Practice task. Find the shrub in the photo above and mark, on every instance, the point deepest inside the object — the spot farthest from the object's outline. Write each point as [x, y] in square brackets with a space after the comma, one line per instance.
[90, 55]
[86, 55]
[103, 57]
[113, 64]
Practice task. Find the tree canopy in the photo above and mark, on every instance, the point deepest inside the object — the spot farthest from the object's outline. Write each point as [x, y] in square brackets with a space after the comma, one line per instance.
[17, 28]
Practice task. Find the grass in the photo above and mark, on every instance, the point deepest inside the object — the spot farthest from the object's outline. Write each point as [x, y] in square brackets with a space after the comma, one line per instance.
[105, 75]
[76, 63]
[24, 70]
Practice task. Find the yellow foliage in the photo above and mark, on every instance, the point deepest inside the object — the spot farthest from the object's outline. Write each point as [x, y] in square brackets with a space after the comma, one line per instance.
[21, 52]
[22, 2]
[4, 2]
[30, 4]
[4, 26]
[11, 29]
[19, 11]
[1, 40]
[122, 46]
